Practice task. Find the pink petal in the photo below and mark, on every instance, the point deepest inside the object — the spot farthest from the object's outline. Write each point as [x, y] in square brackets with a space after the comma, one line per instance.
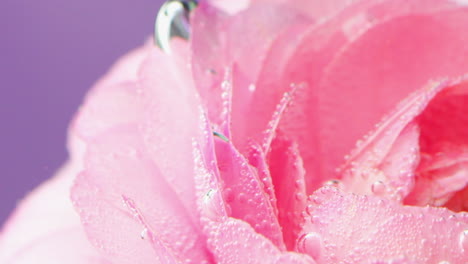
[216, 45]
[444, 144]
[244, 193]
[230, 240]
[234, 241]
[170, 119]
[258, 160]
[287, 172]
[107, 107]
[122, 189]
[209, 56]
[316, 9]
[65, 246]
[148, 99]
[113, 100]
[208, 183]
[396, 261]
[231, 7]
[316, 48]
[126, 68]
[381, 67]
[388, 162]
[347, 228]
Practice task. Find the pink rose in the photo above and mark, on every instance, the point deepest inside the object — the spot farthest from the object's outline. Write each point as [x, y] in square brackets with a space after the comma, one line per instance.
[292, 85]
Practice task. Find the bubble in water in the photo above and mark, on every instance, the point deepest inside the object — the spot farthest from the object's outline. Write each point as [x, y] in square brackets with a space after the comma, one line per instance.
[144, 233]
[252, 87]
[463, 241]
[333, 183]
[310, 244]
[378, 187]
[310, 209]
[299, 196]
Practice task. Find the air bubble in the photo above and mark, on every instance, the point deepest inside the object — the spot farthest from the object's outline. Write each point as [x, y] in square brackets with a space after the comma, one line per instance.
[378, 187]
[463, 242]
[144, 233]
[310, 244]
[334, 183]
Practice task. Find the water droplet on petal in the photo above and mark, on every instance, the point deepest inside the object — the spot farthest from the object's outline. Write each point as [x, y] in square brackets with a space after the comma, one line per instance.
[333, 183]
[310, 244]
[378, 187]
[463, 241]
[299, 196]
[309, 209]
[252, 88]
[144, 233]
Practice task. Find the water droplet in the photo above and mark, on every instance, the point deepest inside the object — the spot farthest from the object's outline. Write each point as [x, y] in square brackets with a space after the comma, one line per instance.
[333, 183]
[378, 187]
[309, 209]
[463, 241]
[228, 195]
[299, 196]
[242, 197]
[310, 244]
[144, 233]
[252, 87]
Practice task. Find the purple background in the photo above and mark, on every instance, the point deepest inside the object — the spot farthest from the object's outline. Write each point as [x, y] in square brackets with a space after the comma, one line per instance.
[51, 52]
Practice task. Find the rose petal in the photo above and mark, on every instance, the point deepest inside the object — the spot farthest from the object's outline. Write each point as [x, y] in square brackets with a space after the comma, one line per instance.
[396, 261]
[230, 240]
[171, 118]
[244, 193]
[123, 190]
[234, 241]
[347, 228]
[216, 45]
[126, 68]
[388, 163]
[113, 100]
[317, 47]
[389, 68]
[106, 107]
[444, 169]
[287, 172]
[258, 160]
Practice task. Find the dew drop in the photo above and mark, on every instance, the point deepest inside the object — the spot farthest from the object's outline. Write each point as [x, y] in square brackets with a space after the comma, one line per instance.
[144, 233]
[309, 209]
[242, 198]
[310, 244]
[378, 187]
[333, 183]
[463, 241]
[252, 88]
[228, 195]
[299, 196]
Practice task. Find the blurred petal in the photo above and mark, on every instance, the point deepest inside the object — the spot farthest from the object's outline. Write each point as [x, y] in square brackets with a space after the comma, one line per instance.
[45, 228]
